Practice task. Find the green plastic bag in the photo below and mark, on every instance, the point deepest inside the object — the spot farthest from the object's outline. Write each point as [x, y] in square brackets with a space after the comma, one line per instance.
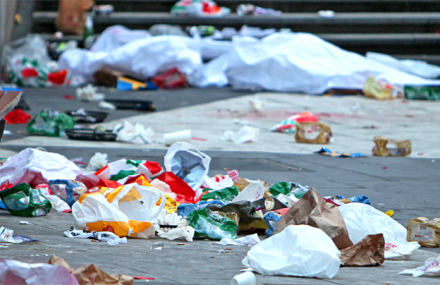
[431, 93]
[22, 200]
[288, 188]
[226, 194]
[209, 224]
[50, 123]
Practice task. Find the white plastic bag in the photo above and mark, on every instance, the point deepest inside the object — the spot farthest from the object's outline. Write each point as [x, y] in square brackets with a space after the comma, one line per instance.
[244, 135]
[254, 191]
[136, 133]
[249, 240]
[297, 251]
[362, 220]
[35, 167]
[217, 183]
[128, 210]
[431, 267]
[188, 163]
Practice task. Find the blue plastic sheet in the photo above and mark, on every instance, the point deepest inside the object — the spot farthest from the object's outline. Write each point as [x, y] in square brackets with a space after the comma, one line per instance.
[184, 210]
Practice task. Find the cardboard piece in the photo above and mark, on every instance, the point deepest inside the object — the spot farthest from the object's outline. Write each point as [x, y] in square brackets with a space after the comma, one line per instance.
[381, 148]
[314, 211]
[71, 18]
[368, 252]
[313, 132]
[91, 274]
[424, 231]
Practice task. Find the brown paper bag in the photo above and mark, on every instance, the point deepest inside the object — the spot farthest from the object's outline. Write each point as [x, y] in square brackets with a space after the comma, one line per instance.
[381, 148]
[368, 252]
[71, 18]
[313, 132]
[91, 274]
[312, 210]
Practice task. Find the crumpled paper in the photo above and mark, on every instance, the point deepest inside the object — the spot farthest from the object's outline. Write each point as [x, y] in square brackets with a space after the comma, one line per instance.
[244, 135]
[88, 93]
[108, 237]
[431, 267]
[98, 161]
[249, 240]
[182, 230]
[136, 134]
[369, 251]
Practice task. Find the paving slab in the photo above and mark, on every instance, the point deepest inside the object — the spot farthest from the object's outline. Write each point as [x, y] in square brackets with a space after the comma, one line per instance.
[348, 116]
[199, 262]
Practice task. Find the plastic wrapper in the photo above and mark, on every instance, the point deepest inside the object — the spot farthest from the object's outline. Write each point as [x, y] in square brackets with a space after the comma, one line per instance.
[184, 210]
[249, 240]
[57, 204]
[68, 190]
[187, 163]
[424, 231]
[98, 161]
[244, 135]
[126, 211]
[108, 237]
[16, 272]
[183, 230]
[123, 168]
[297, 251]
[357, 199]
[386, 147]
[253, 191]
[317, 133]
[313, 210]
[271, 219]
[218, 182]
[22, 200]
[225, 195]
[50, 123]
[208, 224]
[378, 89]
[288, 189]
[362, 220]
[430, 268]
[268, 204]
[136, 133]
[288, 125]
[184, 193]
[368, 252]
[244, 209]
[328, 152]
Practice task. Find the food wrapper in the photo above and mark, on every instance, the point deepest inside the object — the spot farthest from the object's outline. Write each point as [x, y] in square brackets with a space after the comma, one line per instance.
[381, 148]
[314, 132]
[424, 231]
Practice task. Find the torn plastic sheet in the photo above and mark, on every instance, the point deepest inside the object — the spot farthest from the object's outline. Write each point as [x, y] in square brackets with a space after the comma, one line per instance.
[7, 235]
[249, 240]
[431, 267]
[108, 237]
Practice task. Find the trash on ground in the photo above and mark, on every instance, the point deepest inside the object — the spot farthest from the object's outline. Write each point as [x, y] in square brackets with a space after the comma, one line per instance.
[257, 105]
[386, 147]
[389, 213]
[312, 247]
[108, 237]
[340, 200]
[249, 9]
[368, 252]
[22, 200]
[17, 116]
[249, 240]
[328, 152]
[314, 132]
[90, 117]
[181, 136]
[98, 161]
[430, 268]
[424, 231]
[313, 210]
[199, 8]
[379, 89]
[362, 220]
[7, 235]
[68, 190]
[326, 13]
[253, 191]
[209, 224]
[245, 135]
[431, 93]
[246, 278]
[88, 94]
[136, 133]
[107, 106]
[96, 134]
[50, 123]
[289, 125]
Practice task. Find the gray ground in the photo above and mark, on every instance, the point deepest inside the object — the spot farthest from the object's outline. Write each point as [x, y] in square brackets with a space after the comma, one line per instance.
[406, 185]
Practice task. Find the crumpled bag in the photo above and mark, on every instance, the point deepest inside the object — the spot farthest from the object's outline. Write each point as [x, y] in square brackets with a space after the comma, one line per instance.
[244, 135]
[108, 237]
[50, 123]
[183, 229]
[68, 190]
[128, 210]
[185, 209]
[163, 187]
[136, 134]
[253, 191]
[98, 161]
[431, 267]
[35, 167]
[402, 148]
[91, 274]
[244, 209]
[184, 193]
[218, 182]
[249, 240]
[313, 132]
[17, 272]
[378, 89]
[313, 210]
[22, 200]
[187, 163]
[299, 250]
[369, 251]
[362, 220]
[57, 204]
[209, 224]
[225, 195]
[123, 168]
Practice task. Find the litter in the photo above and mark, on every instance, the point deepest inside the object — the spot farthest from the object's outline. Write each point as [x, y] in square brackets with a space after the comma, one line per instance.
[108, 237]
[209, 224]
[22, 200]
[326, 13]
[226, 194]
[424, 231]
[24, 223]
[398, 148]
[295, 247]
[50, 123]
[288, 125]
[246, 278]
[7, 235]
[389, 213]
[431, 93]
[89, 117]
[379, 89]
[257, 105]
[58, 204]
[431, 267]
[17, 116]
[249, 9]
[314, 132]
[362, 220]
[136, 134]
[368, 252]
[245, 135]
[106, 105]
[253, 191]
[98, 161]
[327, 152]
[199, 8]
[249, 240]
[181, 136]
[88, 94]
[68, 190]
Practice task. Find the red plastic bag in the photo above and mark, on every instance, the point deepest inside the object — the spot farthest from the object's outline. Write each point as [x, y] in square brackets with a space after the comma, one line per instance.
[184, 193]
[17, 116]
